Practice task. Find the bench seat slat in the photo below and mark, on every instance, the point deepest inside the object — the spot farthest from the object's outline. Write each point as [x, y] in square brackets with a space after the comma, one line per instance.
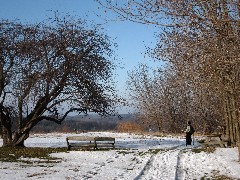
[82, 145]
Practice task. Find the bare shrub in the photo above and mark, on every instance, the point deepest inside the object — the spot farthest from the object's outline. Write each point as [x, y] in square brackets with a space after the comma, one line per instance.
[130, 126]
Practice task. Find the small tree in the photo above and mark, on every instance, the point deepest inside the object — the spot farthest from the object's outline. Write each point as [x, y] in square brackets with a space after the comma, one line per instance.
[49, 70]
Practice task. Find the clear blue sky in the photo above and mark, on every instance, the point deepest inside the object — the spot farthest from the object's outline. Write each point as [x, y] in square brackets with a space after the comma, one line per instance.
[131, 38]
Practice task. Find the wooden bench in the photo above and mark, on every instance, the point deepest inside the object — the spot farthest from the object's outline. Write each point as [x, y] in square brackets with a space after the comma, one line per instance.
[80, 141]
[104, 142]
[90, 142]
[216, 140]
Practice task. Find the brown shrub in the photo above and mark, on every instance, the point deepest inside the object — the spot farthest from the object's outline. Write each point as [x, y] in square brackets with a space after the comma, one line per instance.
[129, 127]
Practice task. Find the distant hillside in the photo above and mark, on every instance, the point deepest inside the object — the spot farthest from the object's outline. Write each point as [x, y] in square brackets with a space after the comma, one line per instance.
[80, 123]
[95, 117]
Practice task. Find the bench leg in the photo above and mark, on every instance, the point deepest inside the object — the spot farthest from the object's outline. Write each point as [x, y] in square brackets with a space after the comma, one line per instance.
[95, 146]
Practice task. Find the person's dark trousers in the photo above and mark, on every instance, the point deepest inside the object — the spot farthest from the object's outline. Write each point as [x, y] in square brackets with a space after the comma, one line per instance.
[188, 139]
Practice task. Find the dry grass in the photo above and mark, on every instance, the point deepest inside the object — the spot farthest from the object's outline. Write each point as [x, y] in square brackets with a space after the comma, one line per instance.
[132, 127]
[10, 154]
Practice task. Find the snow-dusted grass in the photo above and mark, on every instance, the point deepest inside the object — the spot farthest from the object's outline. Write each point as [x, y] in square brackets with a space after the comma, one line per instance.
[135, 157]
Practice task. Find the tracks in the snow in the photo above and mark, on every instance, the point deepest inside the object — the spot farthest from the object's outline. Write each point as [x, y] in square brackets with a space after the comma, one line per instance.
[168, 163]
[180, 172]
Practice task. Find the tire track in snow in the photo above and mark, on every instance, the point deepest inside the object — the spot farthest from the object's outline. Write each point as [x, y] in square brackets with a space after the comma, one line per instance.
[180, 173]
[146, 167]
[166, 164]
[161, 165]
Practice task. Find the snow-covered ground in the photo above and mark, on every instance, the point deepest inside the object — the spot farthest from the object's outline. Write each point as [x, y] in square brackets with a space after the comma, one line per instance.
[136, 157]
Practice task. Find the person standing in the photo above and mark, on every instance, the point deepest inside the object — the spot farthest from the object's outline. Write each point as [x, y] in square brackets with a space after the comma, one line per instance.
[189, 131]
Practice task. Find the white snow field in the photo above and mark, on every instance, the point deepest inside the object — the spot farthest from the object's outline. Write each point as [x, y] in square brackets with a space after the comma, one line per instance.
[136, 157]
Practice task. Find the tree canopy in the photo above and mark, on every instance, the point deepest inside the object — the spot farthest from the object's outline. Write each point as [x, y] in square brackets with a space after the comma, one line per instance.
[49, 70]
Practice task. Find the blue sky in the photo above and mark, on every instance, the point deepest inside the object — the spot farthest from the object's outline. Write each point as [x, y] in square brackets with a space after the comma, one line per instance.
[132, 38]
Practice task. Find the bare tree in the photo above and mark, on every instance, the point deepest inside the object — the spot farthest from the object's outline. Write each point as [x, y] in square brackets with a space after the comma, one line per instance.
[49, 70]
[144, 96]
[202, 40]
[166, 100]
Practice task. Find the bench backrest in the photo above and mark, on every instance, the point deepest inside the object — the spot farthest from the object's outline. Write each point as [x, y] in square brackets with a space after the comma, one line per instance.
[80, 138]
[225, 137]
[104, 139]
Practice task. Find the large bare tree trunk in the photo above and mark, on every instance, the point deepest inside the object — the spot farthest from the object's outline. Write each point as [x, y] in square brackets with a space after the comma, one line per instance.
[6, 127]
[7, 139]
[19, 139]
[7, 133]
[226, 117]
[229, 121]
[238, 135]
[13, 140]
[235, 119]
